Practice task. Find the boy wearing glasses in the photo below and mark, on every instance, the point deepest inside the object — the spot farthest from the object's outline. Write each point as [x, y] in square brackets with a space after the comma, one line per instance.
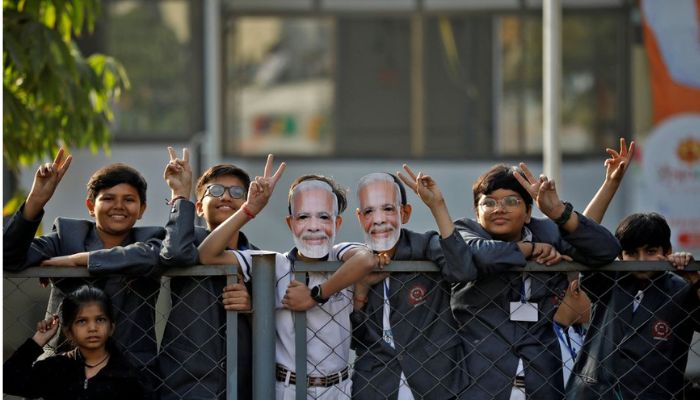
[507, 316]
[192, 359]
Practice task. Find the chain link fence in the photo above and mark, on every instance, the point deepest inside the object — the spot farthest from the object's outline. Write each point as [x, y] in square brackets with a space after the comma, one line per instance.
[634, 340]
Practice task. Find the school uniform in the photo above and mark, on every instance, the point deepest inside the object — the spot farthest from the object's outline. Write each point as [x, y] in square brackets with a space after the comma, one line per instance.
[328, 331]
[192, 361]
[421, 344]
[516, 352]
[133, 293]
[62, 377]
[570, 342]
[638, 342]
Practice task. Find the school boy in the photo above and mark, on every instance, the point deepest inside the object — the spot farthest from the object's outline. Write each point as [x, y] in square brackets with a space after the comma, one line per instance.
[407, 341]
[315, 204]
[643, 322]
[192, 357]
[507, 316]
[109, 244]
[570, 319]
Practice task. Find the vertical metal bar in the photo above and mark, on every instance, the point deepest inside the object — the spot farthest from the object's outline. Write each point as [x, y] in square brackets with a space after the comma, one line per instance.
[232, 346]
[212, 81]
[263, 326]
[300, 346]
[551, 33]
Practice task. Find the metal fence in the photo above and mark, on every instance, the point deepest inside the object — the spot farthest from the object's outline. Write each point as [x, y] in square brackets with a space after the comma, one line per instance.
[548, 280]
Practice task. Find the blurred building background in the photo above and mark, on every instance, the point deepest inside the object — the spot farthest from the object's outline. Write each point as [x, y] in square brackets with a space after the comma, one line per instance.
[347, 87]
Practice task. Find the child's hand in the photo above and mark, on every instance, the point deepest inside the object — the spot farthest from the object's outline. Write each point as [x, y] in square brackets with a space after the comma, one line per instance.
[543, 192]
[617, 164]
[45, 330]
[261, 187]
[178, 173]
[46, 179]
[545, 253]
[236, 298]
[424, 186]
[298, 297]
[680, 259]
[73, 260]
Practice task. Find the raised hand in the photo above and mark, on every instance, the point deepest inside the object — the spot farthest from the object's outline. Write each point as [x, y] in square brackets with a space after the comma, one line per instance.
[178, 173]
[46, 179]
[616, 165]
[543, 192]
[298, 297]
[45, 330]
[261, 187]
[423, 185]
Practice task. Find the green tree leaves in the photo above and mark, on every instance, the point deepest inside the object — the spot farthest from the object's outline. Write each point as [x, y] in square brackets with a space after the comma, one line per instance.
[53, 95]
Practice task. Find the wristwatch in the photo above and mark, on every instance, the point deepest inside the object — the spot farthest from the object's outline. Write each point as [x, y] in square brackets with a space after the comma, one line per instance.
[317, 295]
[568, 209]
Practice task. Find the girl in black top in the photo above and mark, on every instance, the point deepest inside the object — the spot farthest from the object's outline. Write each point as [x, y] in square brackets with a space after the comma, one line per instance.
[95, 369]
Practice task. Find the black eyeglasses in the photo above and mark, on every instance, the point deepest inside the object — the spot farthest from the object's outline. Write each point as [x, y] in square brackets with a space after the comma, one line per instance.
[217, 190]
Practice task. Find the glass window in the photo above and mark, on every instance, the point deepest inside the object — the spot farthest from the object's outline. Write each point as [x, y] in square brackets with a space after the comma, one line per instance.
[344, 84]
[592, 87]
[158, 43]
[280, 86]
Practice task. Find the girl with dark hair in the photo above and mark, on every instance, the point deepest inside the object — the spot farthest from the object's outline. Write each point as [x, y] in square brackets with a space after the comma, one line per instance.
[95, 369]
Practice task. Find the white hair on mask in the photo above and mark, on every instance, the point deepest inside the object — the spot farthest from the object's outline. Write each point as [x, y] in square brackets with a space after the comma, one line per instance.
[373, 238]
[379, 177]
[315, 184]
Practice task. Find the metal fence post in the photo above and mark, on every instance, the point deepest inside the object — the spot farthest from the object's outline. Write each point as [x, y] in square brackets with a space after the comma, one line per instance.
[263, 326]
[300, 347]
[232, 346]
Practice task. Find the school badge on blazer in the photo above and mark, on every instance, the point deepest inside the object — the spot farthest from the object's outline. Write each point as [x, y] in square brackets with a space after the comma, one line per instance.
[660, 330]
[416, 295]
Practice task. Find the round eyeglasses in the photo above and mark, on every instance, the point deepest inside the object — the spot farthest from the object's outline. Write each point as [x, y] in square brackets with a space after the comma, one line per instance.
[490, 204]
[217, 190]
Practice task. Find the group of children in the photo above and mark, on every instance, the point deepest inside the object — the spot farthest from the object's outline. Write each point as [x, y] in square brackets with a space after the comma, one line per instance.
[474, 330]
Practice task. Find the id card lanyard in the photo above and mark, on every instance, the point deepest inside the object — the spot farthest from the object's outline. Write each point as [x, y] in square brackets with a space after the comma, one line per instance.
[558, 329]
[523, 310]
[388, 335]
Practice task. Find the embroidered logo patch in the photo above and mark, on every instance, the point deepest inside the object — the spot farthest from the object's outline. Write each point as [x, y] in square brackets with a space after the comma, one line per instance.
[660, 330]
[416, 295]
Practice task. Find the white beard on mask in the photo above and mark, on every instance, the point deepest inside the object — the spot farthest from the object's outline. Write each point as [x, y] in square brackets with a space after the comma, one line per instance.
[383, 243]
[316, 250]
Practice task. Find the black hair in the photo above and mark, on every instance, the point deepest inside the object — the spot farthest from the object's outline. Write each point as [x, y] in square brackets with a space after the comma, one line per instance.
[113, 175]
[500, 176]
[340, 193]
[76, 300]
[643, 230]
[221, 170]
[402, 188]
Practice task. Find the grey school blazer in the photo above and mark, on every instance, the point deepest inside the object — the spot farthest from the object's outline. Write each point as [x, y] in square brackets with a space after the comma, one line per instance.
[482, 307]
[428, 346]
[133, 292]
[192, 359]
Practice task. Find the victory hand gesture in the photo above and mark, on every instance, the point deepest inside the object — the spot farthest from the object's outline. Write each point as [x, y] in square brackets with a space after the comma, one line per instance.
[617, 164]
[543, 191]
[423, 185]
[46, 180]
[261, 187]
[178, 173]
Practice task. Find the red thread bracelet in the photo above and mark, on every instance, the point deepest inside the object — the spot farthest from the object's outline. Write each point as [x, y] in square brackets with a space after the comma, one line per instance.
[247, 212]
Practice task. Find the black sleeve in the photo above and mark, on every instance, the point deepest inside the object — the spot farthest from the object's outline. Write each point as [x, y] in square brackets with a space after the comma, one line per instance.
[21, 249]
[23, 377]
[180, 244]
